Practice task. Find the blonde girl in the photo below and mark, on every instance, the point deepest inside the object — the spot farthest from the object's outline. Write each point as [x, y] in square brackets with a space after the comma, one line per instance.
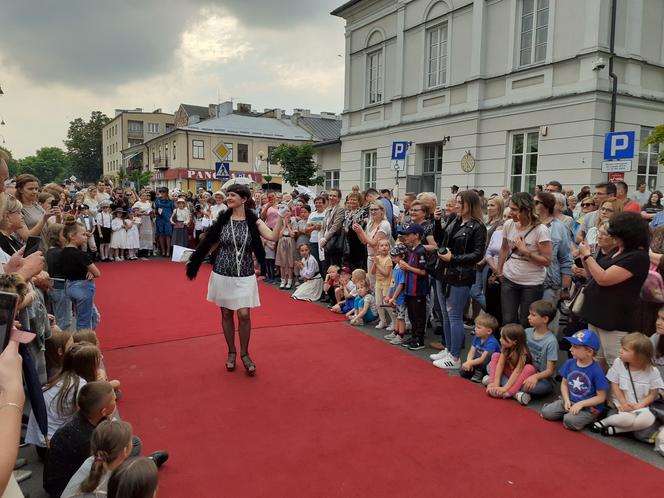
[110, 445]
[512, 366]
[381, 269]
[635, 383]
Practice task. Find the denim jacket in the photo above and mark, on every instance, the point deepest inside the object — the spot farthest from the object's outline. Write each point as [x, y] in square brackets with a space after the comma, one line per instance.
[561, 255]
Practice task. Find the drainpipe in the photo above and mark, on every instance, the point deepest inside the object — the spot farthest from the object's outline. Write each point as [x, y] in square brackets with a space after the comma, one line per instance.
[612, 75]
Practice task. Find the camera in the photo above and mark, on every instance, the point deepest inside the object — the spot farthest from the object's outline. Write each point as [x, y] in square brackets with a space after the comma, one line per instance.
[442, 250]
[599, 64]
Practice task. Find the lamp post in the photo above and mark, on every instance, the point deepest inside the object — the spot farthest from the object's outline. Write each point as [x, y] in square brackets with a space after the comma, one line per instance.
[261, 157]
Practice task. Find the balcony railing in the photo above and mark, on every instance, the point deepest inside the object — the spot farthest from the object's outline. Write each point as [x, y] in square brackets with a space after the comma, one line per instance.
[135, 134]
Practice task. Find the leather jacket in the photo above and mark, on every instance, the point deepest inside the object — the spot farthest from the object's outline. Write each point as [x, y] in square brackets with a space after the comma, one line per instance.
[467, 242]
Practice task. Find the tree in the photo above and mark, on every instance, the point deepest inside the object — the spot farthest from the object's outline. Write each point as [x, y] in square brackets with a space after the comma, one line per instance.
[12, 163]
[657, 137]
[49, 164]
[84, 146]
[297, 164]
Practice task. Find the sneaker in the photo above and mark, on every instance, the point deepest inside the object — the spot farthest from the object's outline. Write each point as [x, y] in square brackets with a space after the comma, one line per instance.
[406, 340]
[390, 327]
[22, 475]
[448, 363]
[381, 325]
[415, 345]
[398, 341]
[485, 380]
[441, 355]
[288, 286]
[282, 284]
[522, 398]
[390, 336]
[477, 377]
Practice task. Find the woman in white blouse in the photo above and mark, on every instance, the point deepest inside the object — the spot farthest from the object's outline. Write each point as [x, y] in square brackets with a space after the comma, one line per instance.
[378, 228]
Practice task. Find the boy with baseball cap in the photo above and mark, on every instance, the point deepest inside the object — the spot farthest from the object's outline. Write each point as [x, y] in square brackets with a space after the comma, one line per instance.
[584, 386]
[416, 284]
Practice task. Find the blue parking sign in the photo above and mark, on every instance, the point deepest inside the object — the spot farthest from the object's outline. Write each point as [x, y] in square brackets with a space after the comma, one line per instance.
[619, 145]
[399, 150]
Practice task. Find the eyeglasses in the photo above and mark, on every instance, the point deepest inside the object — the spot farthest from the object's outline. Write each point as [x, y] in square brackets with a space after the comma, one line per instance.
[373, 210]
[587, 204]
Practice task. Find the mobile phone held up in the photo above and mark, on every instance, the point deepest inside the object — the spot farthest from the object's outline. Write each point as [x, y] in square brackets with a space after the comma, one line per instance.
[31, 246]
[8, 302]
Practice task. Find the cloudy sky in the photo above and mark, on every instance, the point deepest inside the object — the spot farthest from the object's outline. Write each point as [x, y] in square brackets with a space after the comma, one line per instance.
[62, 59]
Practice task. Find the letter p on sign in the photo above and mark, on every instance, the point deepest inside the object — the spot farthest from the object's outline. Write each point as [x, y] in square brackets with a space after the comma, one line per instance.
[619, 145]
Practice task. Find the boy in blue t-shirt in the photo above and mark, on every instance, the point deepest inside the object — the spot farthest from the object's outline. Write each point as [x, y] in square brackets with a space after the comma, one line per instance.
[483, 346]
[543, 347]
[584, 387]
[396, 296]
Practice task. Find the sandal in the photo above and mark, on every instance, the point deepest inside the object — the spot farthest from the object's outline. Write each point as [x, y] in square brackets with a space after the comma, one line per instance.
[249, 365]
[230, 362]
[608, 430]
[597, 427]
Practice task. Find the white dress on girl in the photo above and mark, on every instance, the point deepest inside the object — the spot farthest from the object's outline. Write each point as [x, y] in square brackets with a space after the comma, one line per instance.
[133, 236]
[312, 288]
[119, 235]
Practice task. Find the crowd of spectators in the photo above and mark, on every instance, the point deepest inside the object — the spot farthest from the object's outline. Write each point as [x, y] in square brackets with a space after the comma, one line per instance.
[534, 276]
[55, 394]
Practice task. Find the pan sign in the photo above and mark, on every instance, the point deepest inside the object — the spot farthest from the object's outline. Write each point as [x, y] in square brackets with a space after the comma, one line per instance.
[619, 145]
[399, 150]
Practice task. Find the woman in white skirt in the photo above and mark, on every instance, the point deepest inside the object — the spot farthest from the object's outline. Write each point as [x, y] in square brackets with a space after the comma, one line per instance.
[232, 285]
[312, 282]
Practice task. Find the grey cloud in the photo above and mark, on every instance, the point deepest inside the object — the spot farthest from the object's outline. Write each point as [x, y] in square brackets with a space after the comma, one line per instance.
[277, 14]
[92, 44]
[85, 43]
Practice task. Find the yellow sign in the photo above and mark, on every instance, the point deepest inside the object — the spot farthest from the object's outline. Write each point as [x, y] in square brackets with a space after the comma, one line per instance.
[221, 151]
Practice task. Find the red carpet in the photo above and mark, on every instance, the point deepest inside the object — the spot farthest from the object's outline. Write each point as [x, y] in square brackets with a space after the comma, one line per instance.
[168, 306]
[331, 413]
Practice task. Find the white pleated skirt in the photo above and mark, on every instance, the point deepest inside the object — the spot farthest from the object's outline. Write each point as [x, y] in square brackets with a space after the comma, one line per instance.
[233, 293]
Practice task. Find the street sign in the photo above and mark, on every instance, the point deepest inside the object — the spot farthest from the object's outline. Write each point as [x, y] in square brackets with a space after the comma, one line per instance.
[619, 145]
[222, 170]
[617, 176]
[616, 166]
[399, 150]
[221, 151]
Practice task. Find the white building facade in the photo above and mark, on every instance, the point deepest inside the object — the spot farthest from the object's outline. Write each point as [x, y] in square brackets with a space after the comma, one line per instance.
[516, 84]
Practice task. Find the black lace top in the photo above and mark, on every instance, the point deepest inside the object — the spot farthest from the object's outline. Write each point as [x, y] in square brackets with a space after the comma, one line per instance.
[227, 258]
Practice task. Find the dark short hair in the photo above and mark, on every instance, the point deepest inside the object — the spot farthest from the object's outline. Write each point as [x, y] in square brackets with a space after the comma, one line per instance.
[306, 207]
[544, 308]
[622, 185]
[370, 191]
[631, 229]
[556, 184]
[609, 186]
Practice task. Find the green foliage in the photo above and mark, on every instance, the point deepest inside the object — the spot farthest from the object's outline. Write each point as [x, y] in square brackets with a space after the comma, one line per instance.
[84, 146]
[12, 163]
[137, 176]
[657, 137]
[49, 164]
[297, 164]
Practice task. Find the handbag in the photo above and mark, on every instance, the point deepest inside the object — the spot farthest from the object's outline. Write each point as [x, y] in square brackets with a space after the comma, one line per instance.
[652, 289]
[337, 244]
[574, 304]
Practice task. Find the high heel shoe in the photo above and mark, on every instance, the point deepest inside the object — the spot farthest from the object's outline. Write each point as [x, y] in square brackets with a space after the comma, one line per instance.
[249, 365]
[230, 362]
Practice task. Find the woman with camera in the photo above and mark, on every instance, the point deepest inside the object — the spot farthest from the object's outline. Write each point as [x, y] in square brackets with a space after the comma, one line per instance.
[461, 246]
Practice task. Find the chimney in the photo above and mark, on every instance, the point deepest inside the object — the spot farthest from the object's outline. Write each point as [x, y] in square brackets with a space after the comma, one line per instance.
[225, 109]
[244, 108]
[328, 115]
[303, 112]
[212, 110]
